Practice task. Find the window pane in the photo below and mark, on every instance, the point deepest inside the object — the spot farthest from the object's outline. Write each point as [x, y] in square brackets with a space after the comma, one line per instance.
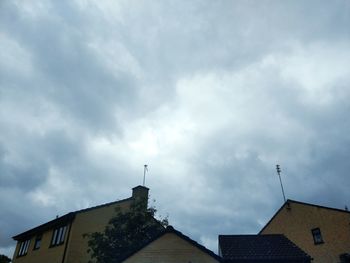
[63, 234]
[53, 242]
[37, 242]
[23, 247]
[26, 246]
[59, 236]
[20, 248]
[317, 236]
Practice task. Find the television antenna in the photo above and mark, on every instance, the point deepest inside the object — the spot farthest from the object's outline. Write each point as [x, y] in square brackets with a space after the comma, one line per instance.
[278, 168]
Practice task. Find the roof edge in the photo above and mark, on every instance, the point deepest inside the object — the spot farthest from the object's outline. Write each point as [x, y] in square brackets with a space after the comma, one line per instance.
[103, 205]
[247, 235]
[171, 229]
[43, 227]
[319, 206]
[195, 243]
[273, 217]
[301, 203]
[63, 219]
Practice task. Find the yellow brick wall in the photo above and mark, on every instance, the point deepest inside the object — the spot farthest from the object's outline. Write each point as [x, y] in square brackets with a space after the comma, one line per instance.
[170, 248]
[298, 222]
[93, 220]
[45, 254]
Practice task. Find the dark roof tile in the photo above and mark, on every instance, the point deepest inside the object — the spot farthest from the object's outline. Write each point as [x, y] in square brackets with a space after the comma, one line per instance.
[236, 248]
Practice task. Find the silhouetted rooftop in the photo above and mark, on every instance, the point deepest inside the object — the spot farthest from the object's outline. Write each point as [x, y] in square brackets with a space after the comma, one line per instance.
[260, 248]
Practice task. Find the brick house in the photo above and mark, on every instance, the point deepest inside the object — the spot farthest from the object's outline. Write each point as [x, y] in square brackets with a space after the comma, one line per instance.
[171, 246]
[322, 232]
[61, 240]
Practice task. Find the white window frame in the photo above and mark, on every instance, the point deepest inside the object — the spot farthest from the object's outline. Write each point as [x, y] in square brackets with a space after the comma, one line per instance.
[23, 248]
[58, 236]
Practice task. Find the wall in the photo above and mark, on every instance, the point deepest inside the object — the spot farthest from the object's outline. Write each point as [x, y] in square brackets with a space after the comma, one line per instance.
[297, 223]
[170, 249]
[93, 220]
[44, 254]
[85, 221]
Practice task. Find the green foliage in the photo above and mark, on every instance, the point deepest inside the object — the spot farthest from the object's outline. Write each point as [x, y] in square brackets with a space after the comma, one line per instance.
[127, 231]
[4, 259]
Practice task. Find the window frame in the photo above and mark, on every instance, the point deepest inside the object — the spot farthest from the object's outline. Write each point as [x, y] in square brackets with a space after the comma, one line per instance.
[317, 236]
[37, 240]
[58, 236]
[23, 248]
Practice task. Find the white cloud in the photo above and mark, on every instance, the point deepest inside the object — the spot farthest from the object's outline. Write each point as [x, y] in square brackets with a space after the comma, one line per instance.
[319, 70]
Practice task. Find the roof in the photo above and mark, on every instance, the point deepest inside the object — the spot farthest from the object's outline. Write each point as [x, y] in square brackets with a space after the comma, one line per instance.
[170, 229]
[62, 220]
[289, 201]
[243, 248]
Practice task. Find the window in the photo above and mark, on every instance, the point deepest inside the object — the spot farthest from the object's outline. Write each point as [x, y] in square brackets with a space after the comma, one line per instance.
[58, 236]
[37, 242]
[23, 247]
[316, 234]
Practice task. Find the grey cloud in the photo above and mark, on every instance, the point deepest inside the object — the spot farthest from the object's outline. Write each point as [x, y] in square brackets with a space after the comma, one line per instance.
[69, 74]
[79, 79]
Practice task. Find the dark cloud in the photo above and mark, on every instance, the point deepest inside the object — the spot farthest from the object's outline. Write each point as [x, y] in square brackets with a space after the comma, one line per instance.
[210, 94]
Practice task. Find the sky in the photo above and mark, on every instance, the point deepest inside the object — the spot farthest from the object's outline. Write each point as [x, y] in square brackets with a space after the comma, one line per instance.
[210, 94]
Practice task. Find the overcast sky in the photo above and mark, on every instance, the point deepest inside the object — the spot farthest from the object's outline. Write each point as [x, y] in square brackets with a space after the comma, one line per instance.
[210, 94]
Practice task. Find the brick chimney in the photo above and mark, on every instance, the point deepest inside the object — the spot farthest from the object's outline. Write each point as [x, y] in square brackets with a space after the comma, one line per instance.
[140, 193]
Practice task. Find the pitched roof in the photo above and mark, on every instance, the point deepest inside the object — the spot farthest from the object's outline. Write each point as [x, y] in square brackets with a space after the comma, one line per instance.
[289, 201]
[170, 229]
[62, 220]
[242, 248]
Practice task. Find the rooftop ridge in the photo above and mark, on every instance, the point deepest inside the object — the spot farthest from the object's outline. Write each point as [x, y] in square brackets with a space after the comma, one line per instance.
[301, 203]
[103, 205]
[248, 235]
[65, 218]
[319, 206]
[171, 229]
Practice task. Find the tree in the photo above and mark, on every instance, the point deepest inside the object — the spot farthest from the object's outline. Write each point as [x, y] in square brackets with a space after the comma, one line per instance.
[126, 232]
[4, 259]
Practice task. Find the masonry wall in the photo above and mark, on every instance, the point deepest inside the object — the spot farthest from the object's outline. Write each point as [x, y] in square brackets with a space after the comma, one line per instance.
[93, 220]
[298, 222]
[170, 248]
[44, 254]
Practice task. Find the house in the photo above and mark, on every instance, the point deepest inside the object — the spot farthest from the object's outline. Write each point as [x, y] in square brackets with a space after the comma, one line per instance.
[61, 240]
[171, 246]
[260, 249]
[322, 232]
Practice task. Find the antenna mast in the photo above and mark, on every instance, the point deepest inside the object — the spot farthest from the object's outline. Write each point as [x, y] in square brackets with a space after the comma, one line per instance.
[279, 176]
[145, 169]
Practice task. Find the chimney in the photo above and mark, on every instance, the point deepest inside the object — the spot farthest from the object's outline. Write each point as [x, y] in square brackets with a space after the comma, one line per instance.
[140, 193]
